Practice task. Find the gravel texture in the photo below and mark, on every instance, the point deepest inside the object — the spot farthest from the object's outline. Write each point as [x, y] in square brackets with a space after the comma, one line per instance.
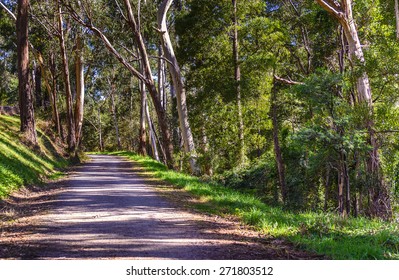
[104, 210]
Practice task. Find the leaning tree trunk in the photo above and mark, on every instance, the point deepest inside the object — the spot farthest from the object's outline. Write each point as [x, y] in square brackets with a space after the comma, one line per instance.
[24, 90]
[150, 84]
[71, 139]
[175, 72]
[146, 76]
[380, 204]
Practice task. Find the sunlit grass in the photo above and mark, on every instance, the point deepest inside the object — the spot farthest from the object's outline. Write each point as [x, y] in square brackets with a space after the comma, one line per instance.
[328, 234]
[22, 165]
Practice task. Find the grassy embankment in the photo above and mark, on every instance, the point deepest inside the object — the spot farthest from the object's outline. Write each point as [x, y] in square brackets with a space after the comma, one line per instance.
[353, 238]
[22, 165]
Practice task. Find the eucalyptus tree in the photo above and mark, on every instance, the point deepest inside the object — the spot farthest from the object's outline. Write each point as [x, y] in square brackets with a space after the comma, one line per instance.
[178, 83]
[342, 11]
[71, 136]
[88, 20]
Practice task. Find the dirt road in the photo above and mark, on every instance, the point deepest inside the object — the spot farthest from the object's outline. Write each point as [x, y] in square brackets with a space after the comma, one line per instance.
[108, 212]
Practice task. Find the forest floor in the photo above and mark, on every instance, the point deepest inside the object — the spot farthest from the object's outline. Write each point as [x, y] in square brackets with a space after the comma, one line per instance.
[105, 210]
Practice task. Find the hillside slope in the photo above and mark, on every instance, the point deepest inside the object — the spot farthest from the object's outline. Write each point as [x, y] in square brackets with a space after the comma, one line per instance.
[23, 165]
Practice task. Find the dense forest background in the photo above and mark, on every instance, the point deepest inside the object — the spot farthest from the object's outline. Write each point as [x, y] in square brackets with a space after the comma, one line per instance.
[294, 101]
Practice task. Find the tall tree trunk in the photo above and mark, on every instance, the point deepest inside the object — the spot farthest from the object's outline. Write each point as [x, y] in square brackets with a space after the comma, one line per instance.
[24, 91]
[161, 78]
[153, 141]
[115, 117]
[397, 18]
[237, 80]
[71, 139]
[100, 132]
[276, 144]
[327, 186]
[146, 76]
[54, 98]
[205, 148]
[38, 87]
[143, 104]
[149, 82]
[380, 205]
[344, 203]
[80, 89]
[175, 72]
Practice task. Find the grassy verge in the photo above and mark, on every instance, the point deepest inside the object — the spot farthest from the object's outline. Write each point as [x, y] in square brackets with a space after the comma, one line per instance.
[22, 165]
[353, 238]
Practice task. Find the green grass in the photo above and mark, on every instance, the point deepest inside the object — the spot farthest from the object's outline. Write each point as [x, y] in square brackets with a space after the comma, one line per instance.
[328, 234]
[22, 165]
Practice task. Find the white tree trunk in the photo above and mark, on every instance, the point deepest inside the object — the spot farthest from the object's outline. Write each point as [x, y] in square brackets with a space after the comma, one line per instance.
[175, 72]
[80, 89]
[379, 194]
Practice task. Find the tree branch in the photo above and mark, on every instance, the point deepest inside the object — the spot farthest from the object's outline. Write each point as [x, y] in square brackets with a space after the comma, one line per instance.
[11, 14]
[106, 42]
[286, 81]
[330, 8]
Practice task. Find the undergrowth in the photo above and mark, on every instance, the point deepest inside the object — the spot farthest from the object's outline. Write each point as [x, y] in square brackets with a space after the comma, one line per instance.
[322, 233]
[23, 165]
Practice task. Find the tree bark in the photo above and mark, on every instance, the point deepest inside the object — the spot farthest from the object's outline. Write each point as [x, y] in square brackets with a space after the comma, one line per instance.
[27, 117]
[54, 98]
[174, 69]
[162, 78]
[153, 141]
[71, 138]
[205, 148]
[276, 144]
[80, 89]
[237, 80]
[38, 87]
[100, 133]
[344, 203]
[142, 135]
[114, 116]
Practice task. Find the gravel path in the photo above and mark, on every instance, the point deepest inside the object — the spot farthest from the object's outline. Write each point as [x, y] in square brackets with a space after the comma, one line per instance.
[108, 212]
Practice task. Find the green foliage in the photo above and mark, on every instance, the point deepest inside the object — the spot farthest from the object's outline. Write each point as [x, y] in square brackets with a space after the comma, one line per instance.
[338, 238]
[9, 83]
[21, 165]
